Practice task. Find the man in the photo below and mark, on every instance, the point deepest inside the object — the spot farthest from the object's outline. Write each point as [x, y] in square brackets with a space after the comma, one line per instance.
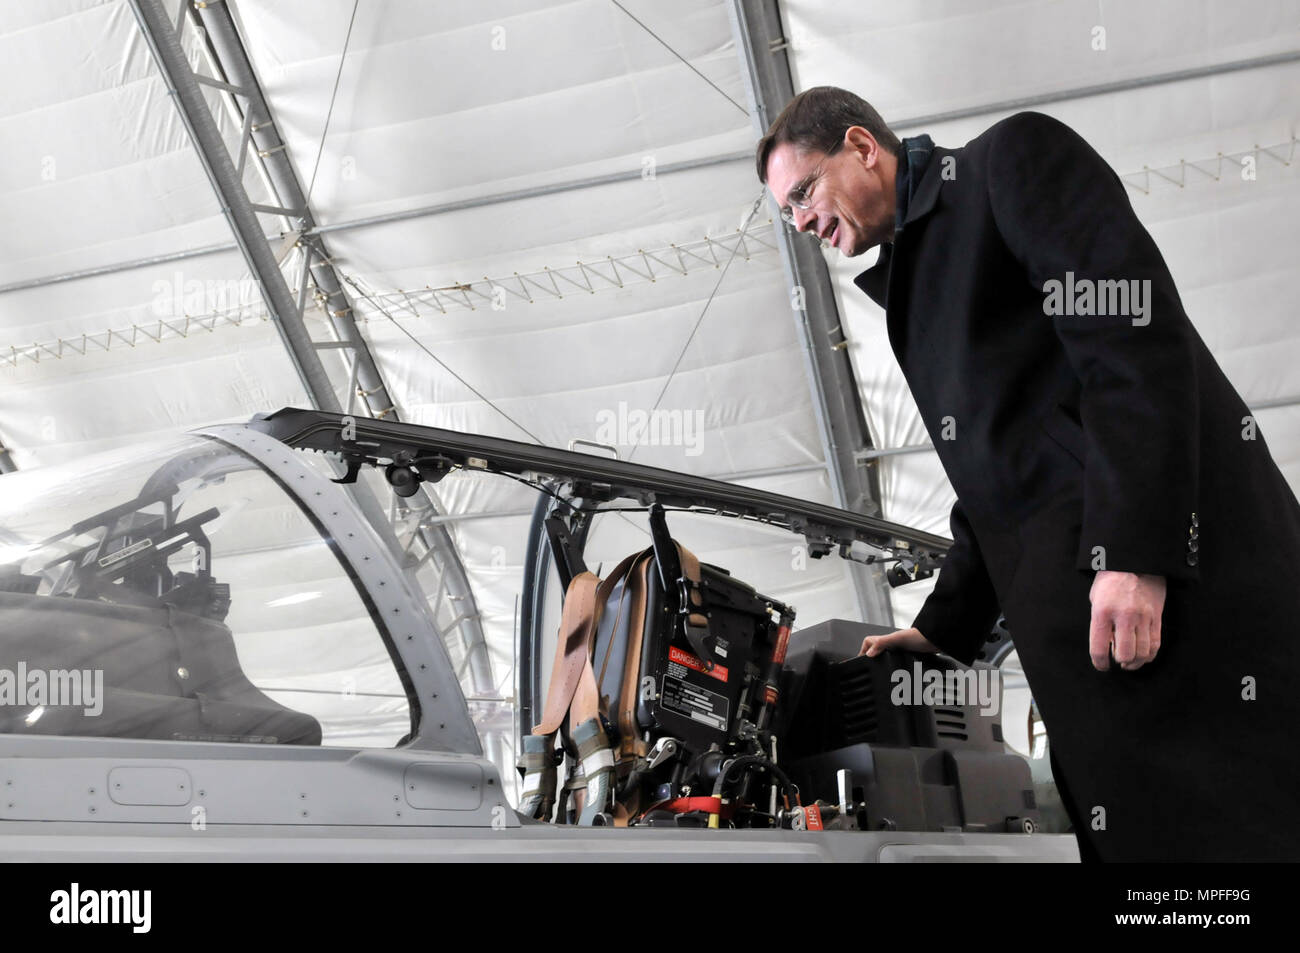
[1115, 499]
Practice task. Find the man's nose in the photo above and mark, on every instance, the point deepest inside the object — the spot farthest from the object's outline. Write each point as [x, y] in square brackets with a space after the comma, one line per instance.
[803, 218]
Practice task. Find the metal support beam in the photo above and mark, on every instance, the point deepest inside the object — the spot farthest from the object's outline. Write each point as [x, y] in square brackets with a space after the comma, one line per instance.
[117, 267]
[1272, 402]
[770, 472]
[365, 381]
[516, 195]
[1098, 89]
[187, 92]
[864, 455]
[756, 26]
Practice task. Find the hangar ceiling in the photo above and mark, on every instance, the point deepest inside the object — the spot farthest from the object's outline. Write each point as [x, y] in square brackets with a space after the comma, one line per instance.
[543, 218]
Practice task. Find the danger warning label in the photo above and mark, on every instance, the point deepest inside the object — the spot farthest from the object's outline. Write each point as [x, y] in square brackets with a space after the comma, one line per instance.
[694, 662]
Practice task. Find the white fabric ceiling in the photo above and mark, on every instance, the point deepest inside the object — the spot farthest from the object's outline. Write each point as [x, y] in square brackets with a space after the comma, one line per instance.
[447, 101]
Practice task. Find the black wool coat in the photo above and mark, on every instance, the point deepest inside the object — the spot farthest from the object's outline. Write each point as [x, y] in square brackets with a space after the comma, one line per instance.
[1082, 434]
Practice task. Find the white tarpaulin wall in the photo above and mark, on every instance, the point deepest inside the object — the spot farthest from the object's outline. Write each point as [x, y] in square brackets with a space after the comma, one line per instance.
[441, 102]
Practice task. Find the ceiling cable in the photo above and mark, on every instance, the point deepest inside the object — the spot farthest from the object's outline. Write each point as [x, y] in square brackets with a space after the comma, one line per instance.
[680, 57]
[330, 112]
[367, 297]
[705, 310]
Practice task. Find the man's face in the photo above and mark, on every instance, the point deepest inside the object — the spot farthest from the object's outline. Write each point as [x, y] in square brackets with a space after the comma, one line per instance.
[850, 194]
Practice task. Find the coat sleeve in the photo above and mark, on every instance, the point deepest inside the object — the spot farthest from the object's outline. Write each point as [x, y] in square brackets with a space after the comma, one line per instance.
[1065, 216]
[959, 613]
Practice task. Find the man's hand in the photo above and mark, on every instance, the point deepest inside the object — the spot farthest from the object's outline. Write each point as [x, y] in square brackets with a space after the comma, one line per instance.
[910, 639]
[1126, 608]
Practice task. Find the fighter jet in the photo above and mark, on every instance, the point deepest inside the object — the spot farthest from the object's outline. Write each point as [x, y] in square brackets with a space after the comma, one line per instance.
[219, 645]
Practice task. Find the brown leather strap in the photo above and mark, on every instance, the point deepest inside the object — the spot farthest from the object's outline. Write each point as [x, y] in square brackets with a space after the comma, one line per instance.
[572, 656]
[586, 699]
[691, 570]
[571, 675]
[630, 743]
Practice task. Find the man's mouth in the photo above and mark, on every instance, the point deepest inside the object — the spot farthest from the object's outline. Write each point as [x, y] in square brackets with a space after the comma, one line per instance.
[831, 232]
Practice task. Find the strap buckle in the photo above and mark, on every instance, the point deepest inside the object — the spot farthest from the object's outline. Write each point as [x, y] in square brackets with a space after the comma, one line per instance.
[685, 589]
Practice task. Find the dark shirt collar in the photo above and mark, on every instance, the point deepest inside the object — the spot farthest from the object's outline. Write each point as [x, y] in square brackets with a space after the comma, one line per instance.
[913, 156]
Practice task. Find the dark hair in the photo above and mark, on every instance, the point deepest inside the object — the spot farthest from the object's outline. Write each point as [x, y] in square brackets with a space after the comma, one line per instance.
[817, 119]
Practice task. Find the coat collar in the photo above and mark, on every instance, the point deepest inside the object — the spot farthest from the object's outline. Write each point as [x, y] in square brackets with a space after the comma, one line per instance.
[875, 280]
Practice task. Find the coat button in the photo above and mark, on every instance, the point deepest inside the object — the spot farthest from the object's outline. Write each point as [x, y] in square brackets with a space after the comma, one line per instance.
[1191, 559]
[1195, 521]
[1193, 545]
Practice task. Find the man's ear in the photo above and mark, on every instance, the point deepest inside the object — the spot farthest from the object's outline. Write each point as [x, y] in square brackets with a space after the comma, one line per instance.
[863, 143]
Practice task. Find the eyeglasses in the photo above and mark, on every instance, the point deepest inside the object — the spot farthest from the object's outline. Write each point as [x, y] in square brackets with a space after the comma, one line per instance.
[801, 195]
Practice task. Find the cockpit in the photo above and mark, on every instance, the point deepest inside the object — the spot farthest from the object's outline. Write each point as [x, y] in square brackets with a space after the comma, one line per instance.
[198, 593]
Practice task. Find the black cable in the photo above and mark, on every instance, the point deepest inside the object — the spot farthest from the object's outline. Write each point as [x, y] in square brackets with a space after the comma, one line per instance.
[539, 487]
[759, 760]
